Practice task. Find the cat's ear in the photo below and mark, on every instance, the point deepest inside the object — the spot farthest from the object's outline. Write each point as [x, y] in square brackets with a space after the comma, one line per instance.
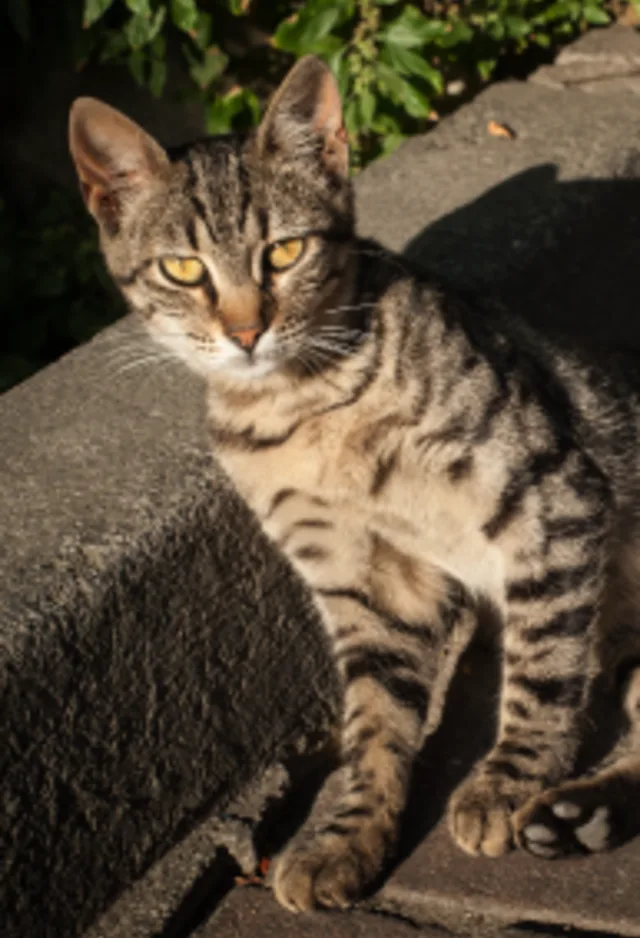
[307, 108]
[114, 158]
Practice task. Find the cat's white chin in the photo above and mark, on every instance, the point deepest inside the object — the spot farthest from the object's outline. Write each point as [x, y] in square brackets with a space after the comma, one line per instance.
[248, 370]
[236, 363]
[226, 358]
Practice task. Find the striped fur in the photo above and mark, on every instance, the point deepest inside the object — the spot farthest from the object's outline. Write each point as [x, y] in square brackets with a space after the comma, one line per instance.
[413, 458]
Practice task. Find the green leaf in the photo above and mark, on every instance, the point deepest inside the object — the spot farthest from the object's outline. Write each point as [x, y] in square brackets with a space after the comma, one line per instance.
[221, 113]
[391, 142]
[139, 7]
[202, 37]
[208, 67]
[352, 118]
[159, 47]
[542, 40]
[114, 45]
[327, 48]
[517, 27]
[238, 7]
[496, 29]
[403, 93]
[157, 23]
[456, 33]
[556, 11]
[93, 10]
[415, 102]
[411, 29]
[252, 103]
[138, 31]
[137, 65]
[184, 15]
[410, 63]
[299, 33]
[486, 68]
[157, 77]
[339, 65]
[386, 124]
[367, 106]
[596, 16]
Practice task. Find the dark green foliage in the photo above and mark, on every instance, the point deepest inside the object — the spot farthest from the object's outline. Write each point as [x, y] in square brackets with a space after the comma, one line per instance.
[393, 59]
[54, 292]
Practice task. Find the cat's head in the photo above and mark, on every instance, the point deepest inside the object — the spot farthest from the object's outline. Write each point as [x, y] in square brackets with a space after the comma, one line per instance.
[238, 250]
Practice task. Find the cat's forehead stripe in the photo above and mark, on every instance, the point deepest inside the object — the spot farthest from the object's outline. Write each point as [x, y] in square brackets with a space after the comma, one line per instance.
[190, 231]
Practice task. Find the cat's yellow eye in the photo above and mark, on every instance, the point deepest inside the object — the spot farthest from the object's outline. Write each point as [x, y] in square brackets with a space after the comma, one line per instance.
[284, 254]
[187, 271]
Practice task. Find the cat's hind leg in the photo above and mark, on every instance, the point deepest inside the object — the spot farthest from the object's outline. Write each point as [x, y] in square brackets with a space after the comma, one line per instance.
[600, 810]
[594, 813]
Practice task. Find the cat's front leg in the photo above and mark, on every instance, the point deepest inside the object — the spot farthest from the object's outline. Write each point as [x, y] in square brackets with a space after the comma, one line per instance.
[389, 664]
[388, 676]
[553, 594]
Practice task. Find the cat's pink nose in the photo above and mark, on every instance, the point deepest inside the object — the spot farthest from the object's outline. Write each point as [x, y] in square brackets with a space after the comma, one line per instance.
[246, 338]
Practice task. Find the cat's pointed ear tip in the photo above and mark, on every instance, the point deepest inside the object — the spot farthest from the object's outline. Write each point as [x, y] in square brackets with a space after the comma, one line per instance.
[311, 65]
[82, 106]
[82, 111]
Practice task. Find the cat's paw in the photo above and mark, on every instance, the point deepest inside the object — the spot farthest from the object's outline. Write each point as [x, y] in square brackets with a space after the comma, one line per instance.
[573, 818]
[325, 871]
[480, 813]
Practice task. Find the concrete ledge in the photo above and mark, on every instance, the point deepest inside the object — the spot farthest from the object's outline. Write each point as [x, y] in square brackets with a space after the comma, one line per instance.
[156, 654]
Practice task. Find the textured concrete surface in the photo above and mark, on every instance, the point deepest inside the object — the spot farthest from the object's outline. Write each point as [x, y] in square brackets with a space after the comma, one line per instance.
[603, 61]
[156, 656]
[548, 223]
[592, 76]
[251, 912]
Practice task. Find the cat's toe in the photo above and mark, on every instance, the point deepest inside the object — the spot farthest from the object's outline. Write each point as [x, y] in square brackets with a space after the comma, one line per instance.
[318, 874]
[565, 820]
[479, 818]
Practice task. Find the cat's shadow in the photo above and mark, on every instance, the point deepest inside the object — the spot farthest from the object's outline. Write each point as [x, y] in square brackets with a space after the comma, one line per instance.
[563, 254]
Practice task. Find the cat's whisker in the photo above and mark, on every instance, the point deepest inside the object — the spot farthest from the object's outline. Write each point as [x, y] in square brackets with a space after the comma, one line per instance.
[324, 356]
[124, 354]
[353, 308]
[151, 359]
[314, 361]
[338, 330]
[331, 346]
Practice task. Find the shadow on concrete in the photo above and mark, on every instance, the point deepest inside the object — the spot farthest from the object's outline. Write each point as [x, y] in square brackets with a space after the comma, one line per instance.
[565, 255]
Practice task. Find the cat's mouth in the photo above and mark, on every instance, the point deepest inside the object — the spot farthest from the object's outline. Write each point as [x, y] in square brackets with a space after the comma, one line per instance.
[248, 364]
[222, 356]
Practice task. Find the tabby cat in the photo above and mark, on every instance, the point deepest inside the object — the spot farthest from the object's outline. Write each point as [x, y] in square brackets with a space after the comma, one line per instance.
[412, 457]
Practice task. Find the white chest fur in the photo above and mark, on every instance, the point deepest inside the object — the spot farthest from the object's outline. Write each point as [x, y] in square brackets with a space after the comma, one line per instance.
[421, 510]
